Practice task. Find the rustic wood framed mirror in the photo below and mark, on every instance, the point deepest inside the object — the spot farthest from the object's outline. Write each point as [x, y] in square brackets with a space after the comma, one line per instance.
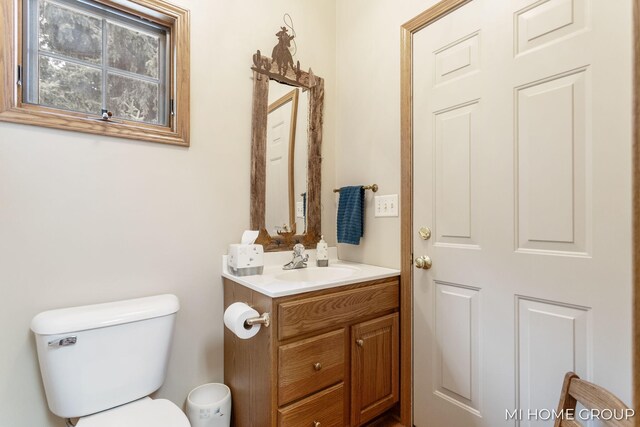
[286, 154]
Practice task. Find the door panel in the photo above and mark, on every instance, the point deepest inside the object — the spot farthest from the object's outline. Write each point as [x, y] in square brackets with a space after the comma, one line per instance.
[522, 170]
[543, 326]
[456, 357]
[454, 168]
[551, 118]
[546, 21]
[457, 59]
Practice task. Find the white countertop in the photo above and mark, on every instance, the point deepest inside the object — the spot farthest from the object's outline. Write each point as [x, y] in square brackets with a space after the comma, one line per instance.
[276, 282]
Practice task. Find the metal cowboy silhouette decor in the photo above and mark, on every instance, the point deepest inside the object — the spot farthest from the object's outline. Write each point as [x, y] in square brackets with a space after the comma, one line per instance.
[281, 54]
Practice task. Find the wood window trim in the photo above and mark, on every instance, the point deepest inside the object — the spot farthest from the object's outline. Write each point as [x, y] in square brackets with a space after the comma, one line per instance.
[14, 110]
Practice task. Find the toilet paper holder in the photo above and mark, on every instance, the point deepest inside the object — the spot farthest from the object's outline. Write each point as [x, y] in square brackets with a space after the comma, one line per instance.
[265, 320]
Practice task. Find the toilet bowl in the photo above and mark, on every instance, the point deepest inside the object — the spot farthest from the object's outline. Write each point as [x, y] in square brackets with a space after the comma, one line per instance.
[145, 412]
[99, 363]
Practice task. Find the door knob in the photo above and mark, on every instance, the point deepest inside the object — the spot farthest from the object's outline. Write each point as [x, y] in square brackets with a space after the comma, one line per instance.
[425, 233]
[316, 424]
[317, 366]
[360, 342]
[423, 262]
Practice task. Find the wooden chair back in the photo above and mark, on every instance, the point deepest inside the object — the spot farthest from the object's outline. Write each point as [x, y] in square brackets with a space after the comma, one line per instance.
[592, 397]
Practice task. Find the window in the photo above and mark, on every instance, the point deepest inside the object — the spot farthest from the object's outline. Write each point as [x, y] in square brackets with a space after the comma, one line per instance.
[118, 67]
[86, 58]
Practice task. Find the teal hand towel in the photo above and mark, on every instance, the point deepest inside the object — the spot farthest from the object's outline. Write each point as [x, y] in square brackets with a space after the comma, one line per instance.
[351, 215]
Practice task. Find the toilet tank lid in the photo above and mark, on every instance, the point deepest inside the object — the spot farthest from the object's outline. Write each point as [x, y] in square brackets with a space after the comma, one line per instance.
[76, 319]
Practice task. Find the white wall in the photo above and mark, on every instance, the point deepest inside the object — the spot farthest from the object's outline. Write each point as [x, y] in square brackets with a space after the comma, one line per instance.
[87, 219]
[368, 115]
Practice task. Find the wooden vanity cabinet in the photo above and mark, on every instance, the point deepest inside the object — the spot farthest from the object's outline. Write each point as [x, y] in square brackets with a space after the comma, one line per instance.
[329, 358]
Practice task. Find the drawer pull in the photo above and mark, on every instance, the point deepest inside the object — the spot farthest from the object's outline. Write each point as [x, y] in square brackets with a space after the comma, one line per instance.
[360, 342]
[317, 366]
[316, 424]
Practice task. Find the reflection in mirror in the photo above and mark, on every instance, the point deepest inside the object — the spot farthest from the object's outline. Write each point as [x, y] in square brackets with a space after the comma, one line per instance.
[286, 158]
[300, 175]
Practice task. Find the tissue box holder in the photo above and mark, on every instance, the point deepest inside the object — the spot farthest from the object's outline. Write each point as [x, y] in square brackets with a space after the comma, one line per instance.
[246, 260]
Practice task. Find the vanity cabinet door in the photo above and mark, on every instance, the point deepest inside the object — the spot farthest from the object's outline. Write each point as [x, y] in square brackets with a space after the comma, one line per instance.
[374, 369]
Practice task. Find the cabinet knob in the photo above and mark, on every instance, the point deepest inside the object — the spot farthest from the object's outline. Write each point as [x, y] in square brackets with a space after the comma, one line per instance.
[317, 366]
[360, 342]
[316, 424]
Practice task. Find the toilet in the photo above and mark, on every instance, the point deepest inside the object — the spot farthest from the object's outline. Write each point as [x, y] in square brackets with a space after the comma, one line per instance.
[99, 363]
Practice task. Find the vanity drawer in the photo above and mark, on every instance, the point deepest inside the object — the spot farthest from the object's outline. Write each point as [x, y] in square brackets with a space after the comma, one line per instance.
[324, 311]
[309, 365]
[325, 408]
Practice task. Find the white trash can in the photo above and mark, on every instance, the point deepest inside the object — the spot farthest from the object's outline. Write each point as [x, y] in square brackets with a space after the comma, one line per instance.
[209, 406]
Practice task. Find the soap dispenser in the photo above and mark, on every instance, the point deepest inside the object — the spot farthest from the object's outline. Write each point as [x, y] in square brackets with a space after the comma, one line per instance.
[322, 253]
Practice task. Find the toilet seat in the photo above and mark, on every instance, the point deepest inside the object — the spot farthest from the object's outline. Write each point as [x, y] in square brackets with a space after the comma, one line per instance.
[145, 412]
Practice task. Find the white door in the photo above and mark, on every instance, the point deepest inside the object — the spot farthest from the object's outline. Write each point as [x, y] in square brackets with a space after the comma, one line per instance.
[522, 171]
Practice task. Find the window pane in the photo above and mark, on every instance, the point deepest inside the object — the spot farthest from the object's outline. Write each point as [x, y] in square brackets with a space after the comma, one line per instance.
[133, 51]
[69, 86]
[70, 33]
[133, 99]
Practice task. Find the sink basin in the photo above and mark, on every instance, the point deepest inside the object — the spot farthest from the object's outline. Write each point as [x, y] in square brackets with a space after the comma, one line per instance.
[275, 282]
[315, 274]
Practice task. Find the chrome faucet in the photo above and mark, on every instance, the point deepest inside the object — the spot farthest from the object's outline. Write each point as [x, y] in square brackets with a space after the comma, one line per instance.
[298, 261]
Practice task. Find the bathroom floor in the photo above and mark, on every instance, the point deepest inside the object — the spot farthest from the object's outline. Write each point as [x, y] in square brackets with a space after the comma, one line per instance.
[387, 421]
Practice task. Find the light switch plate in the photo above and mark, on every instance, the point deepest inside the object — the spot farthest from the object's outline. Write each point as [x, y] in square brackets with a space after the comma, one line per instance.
[386, 206]
[300, 210]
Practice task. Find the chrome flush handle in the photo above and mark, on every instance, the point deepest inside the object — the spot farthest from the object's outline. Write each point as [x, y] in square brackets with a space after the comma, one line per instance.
[64, 342]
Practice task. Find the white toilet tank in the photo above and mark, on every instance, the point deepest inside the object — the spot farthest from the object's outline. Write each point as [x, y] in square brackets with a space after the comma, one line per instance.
[96, 357]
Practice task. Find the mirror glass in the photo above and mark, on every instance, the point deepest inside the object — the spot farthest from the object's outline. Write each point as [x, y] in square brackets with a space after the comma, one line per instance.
[286, 159]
